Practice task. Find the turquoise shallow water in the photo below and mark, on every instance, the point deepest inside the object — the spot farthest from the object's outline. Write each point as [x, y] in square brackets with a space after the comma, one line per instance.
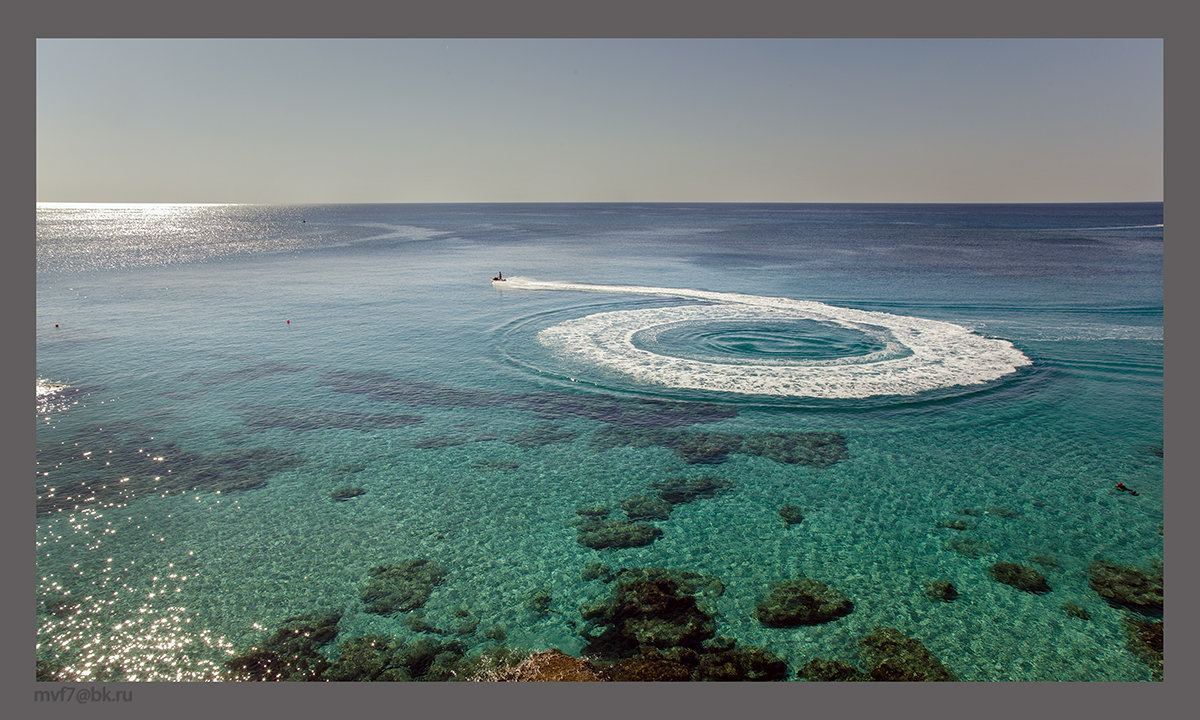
[284, 353]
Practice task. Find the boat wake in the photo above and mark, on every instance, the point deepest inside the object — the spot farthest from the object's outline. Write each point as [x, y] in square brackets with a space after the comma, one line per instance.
[900, 355]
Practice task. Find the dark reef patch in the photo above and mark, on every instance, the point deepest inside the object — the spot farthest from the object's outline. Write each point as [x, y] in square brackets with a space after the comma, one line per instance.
[627, 412]
[542, 435]
[1128, 586]
[103, 466]
[817, 449]
[802, 601]
[657, 626]
[401, 587]
[267, 368]
[1076, 611]
[291, 653]
[818, 670]
[791, 514]
[643, 507]
[387, 388]
[261, 417]
[385, 659]
[941, 590]
[347, 494]
[1145, 639]
[969, 547]
[599, 534]
[648, 606]
[435, 442]
[678, 491]
[547, 405]
[892, 656]
[1021, 577]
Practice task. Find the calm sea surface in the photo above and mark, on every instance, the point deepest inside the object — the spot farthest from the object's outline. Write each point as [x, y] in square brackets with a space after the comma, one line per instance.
[210, 375]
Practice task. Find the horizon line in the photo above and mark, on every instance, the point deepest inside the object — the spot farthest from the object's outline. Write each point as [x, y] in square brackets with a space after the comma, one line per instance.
[111, 203]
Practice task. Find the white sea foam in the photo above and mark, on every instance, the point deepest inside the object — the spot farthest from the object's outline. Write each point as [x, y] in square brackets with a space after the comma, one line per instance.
[922, 355]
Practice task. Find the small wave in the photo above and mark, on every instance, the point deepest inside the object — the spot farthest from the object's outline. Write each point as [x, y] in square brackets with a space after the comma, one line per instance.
[922, 355]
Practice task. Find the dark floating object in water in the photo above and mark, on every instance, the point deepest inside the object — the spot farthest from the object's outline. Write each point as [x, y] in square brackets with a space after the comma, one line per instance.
[1127, 586]
[1021, 577]
[892, 656]
[347, 493]
[1122, 488]
[791, 603]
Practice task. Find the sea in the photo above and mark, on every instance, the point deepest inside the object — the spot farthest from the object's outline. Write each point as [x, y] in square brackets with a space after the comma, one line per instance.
[242, 410]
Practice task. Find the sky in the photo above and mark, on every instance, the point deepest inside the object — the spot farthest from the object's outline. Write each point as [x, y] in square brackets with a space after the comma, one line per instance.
[599, 120]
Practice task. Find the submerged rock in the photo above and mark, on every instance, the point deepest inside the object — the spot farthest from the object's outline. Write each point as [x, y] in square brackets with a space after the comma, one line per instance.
[969, 547]
[1044, 560]
[600, 534]
[598, 571]
[650, 667]
[347, 494]
[369, 658]
[541, 436]
[594, 511]
[1128, 586]
[818, 670]
[893, 656]
[819, 449]
[740, 664]
[1077, 611]
[956, 524]
[401, 587]
[550, 666]
[539, 603]
[647, 607]
[682, 490]
[121, 469]
[942, 590]
[1145, 640]
[290, 653]
[791, 603]
[1021, 577]
[705, 448]
[642, 507]
[791, 515]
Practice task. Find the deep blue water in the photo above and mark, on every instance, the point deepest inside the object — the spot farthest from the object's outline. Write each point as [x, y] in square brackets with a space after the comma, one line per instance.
[280, 353]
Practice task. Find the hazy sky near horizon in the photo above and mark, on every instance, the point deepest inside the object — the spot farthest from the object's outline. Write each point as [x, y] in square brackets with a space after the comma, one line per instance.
[589, 120]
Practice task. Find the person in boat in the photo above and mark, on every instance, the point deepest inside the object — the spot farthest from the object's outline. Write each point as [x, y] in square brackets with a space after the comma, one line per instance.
[499, 276]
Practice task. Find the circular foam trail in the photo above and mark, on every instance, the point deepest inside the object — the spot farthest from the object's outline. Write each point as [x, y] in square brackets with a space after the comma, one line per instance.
[919, 355]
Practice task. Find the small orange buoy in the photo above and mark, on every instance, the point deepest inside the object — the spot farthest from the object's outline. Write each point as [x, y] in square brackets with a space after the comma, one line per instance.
[289, 322]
